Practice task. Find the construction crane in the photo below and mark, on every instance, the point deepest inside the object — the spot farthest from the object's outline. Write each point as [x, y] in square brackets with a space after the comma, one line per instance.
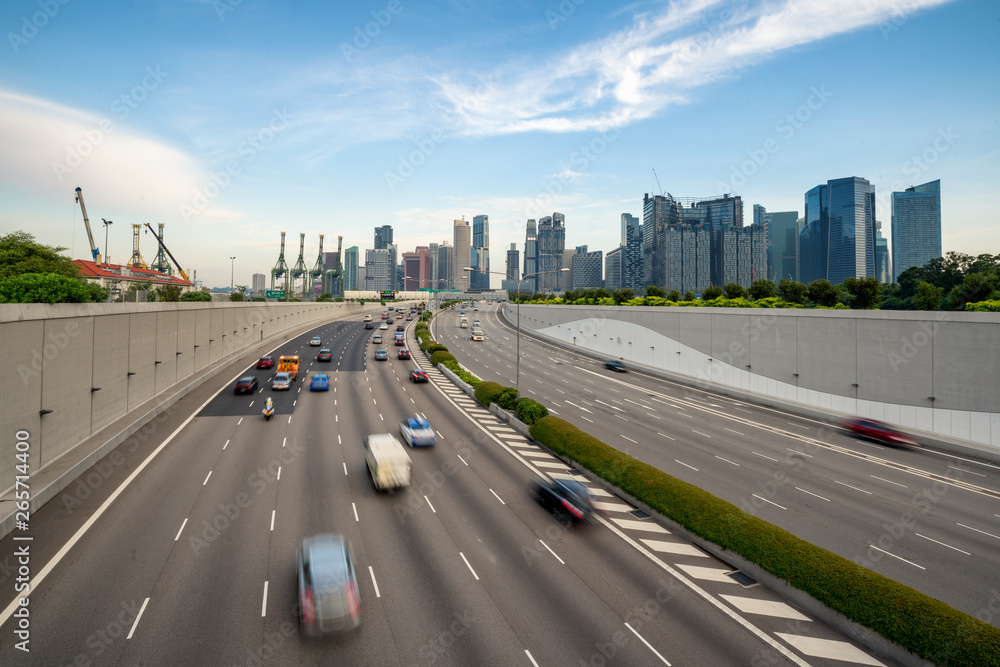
[160, 262]
[317, 269]
[94, 250]
[280, 269]
[300, 270]
[658, 186]
[159, 239]
[137, 262]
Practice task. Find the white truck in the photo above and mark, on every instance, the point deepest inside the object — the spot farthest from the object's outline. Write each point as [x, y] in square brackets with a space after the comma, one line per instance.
[388, 463]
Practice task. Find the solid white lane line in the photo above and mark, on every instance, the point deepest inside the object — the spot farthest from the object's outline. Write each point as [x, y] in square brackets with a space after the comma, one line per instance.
[374, 583]
[897, 557]
[769, 501]
[852, 487]
[263, 604]
[181, 530]
[429, 504]
[355, 508]
[561, 561]
[684, 464]
[979, 531]
[889, 481]
[497, 497]
[648, 645]
[812, 494]
[345, 467]
[135, 623]
[272, 519]
[942, 544]
[727, 461]
[206, 478]
[763, 457]
[468, 565]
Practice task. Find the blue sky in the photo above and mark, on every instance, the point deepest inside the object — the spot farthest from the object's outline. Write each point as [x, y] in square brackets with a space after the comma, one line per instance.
[233, 120]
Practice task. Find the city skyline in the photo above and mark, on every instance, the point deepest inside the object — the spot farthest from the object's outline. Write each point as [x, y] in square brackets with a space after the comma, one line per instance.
[183, 124]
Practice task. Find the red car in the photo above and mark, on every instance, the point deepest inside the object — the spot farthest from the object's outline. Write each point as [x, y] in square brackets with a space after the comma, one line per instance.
[870, 429]
[265, 362]
[418, 375]
[403, 354]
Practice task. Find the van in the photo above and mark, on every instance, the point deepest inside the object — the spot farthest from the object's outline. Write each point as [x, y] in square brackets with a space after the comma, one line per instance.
[464, 324]
[388, 463]
[289, 364]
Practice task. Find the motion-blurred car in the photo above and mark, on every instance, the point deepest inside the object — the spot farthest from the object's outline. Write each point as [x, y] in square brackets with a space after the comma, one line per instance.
[615, 365]
[400, 327]
[319, 382]
[870, 429]
[383, 326]
[369, 325]
[381, 355]
[417, 375]
[265, 362]
[281, 381]
[328, 588]
[417, 432]
[315, 341]
[409, 318]
[566, 496]
[247, 385]
[403, 354]
[388, 320]
[324, 355]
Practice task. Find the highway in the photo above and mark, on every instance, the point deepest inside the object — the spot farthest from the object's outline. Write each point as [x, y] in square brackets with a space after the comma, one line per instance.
[926, 518]
[180, 546]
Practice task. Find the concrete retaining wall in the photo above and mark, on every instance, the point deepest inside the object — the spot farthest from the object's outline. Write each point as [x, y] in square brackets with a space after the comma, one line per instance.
[937, 372]
[76, 368]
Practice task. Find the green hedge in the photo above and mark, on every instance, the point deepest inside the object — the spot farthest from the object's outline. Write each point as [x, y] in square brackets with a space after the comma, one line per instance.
[488, 392]
[433, 347]
[529, 411]
[507, 398]
[439, 356]
[917, 622]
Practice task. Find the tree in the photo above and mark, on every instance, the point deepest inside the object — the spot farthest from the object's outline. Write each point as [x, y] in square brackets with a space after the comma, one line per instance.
[169, 292]
[865, 293]
[49, 288]
[20, 254]
[238, 293]
[734, 290]
[196, 296]
[689, 296]
[762, 289]
[622, 295]
[711, 292]
[823, 293]
[653, 290]
[928, 297]
[674, 295]
[974, 287]
[792, 291]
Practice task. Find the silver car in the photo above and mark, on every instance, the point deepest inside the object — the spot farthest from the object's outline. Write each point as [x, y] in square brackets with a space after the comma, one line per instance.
[328, 589]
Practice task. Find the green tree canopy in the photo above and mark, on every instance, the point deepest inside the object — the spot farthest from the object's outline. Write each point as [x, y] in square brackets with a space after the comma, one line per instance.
[823, 293]
[762, 289]
[792, 291]
[689, 296]
[711, 292]
[653, 290]
[865, 293]
[734, 290]
[674, 295]
[928, 297]
[49, 288]
[21, 254]
[196, 296]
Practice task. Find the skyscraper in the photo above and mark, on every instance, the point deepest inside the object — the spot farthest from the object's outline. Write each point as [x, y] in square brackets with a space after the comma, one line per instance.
[630, 227]
[883, 267]
[417, 269]
[814, 235]
[613, 268]
[916, 226]
[551, 246]
[480, 278]
[446, 267]
[462, 254]
[383, 237]
[851, 250]
[351, 268]
[586, 269]
[378, 270]
[658, 213]
[512, 269]
[530, 259]
[784, 233]
[257, 284]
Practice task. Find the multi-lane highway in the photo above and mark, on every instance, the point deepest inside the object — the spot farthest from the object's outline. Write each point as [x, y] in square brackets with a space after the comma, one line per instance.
[925, 518]
[180, 547]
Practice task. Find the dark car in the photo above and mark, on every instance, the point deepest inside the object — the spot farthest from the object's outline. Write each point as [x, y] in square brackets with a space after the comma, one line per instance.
[265, 362]
[403, 354]
[381, 355]
[566, 497]
[328, 588]
[418, 375]
[324, 355]
[877, 431]
[247, 385]
[615, 365]
[400, 327]
[388, 320]
[409, 318]
[369, 325]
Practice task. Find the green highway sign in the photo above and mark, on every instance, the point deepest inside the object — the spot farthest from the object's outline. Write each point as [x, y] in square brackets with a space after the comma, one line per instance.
[275, 294]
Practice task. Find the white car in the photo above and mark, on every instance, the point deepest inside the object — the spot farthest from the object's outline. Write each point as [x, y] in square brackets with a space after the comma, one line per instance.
[383, 326]
[417, 432]
[478, 335]
[315, 341]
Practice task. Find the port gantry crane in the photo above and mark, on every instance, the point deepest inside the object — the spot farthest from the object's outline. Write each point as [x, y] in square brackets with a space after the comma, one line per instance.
[160, 262]
[163, 248]
[333, 279]
[317, 269]
[300, 270]
[94, 250]
[280, 269]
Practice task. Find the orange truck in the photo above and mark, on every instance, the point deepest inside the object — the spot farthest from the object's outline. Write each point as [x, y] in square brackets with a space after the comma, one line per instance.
[289, 364]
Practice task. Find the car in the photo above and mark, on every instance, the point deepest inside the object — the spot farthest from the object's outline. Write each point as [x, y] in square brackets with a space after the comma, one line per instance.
[377, 339]
[385, 314]
[381, 355]
[247, 385]
[281, 381]
[475, 322]
[383, 326]
[265, 362]
[398, 341]
[417, 375]
[328, 588]
[403, 354]
[388, 320]
[324, 355]
[417, 432]
[369, 325]
[476, 309]
[319, 382]
[315, 341]
[409, 318]
[400, 327]
[461, 314]
[566, 497]
[478, 335]
[614, 365]
[871, 429]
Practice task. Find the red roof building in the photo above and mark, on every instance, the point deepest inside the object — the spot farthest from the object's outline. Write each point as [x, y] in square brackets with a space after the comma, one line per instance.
[122, 276]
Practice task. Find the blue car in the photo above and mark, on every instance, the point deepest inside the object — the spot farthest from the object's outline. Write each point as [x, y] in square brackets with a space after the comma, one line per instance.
[320, 382]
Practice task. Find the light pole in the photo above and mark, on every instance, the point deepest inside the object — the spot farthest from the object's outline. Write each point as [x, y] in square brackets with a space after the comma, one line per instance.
[232, 272]
[106, 224]
[517, 352]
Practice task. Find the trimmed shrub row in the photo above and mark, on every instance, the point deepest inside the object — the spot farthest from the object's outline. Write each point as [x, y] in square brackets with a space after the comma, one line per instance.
[919, 623]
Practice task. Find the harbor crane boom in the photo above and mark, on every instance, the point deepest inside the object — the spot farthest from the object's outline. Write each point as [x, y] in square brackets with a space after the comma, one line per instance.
[163, 245]
[90, 235]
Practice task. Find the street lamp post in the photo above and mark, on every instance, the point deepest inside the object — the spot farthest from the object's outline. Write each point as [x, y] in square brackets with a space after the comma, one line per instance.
[106, 224]
[232, 272]
[517, 352]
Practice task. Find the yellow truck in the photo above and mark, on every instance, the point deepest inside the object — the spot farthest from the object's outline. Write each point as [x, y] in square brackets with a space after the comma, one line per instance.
[289, 364]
